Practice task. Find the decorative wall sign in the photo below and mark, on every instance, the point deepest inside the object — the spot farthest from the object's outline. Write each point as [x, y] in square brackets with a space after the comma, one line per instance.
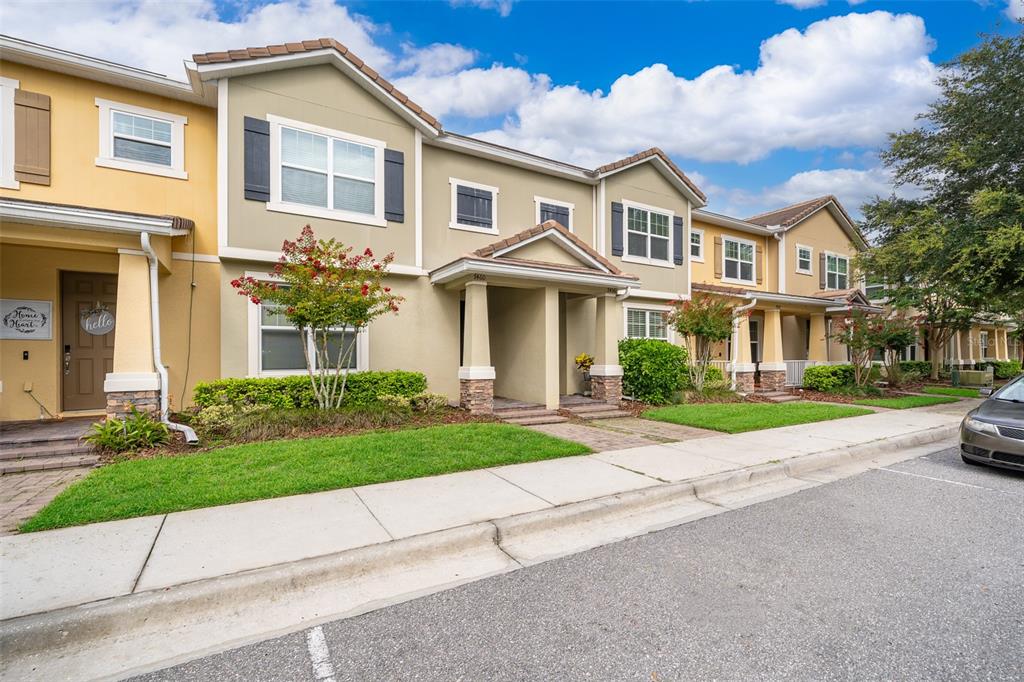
[97, 321]
[26, 320]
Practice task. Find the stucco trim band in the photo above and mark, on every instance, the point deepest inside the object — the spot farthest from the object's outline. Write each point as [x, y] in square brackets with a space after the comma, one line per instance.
[476, 373]
[118, 382]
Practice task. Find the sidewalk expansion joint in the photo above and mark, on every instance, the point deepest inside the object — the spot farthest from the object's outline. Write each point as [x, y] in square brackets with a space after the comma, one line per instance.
[367, 507]
[135, 584]
[497, 543]
[516, 485]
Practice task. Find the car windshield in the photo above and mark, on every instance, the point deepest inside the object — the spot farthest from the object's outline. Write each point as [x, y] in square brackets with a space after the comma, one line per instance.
[1013, 391]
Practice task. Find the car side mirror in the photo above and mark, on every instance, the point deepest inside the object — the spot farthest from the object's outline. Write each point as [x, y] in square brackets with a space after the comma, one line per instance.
[985, 392]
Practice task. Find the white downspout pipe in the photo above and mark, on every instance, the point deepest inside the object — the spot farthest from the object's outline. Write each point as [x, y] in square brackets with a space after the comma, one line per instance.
[154, 310]
[736, 339]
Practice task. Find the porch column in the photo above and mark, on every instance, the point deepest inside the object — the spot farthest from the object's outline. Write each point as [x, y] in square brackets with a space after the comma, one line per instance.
[1002, 346]
[773, 363]
[476, 375]
[744, 365]
[552, 348]
[606, 374]
[134, 379]
[818, 343]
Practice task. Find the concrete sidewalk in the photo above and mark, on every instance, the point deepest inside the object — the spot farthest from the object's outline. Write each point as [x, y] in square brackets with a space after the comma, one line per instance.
[425, 534]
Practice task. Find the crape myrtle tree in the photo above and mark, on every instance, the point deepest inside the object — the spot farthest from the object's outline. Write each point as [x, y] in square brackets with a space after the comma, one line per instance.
[956, 249]
[702, 322]
[329, 294]
[891, 336]
[859, 331]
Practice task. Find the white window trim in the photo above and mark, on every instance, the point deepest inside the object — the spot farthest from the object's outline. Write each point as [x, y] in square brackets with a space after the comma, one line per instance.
[810, 258]
[700, 258]
[537, 201]
[106, 151]
[667, 263]
[277, 205]
[983, 343]
[7, 88]
[453, 220]
[670, 334]
[255, 342]
[837, 256]
[753, 270]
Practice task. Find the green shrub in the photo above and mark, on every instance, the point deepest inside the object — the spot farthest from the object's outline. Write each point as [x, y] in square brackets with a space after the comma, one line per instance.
[921, 368]
[713, 377]
[652, 370]
[827, 378]
[249, 425]
[136, 431]
[429, 402]
[1006, 369]
[296, 392]
[399, 403]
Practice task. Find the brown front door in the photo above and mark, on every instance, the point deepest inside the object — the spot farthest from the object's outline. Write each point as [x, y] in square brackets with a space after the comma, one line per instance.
[87, 344]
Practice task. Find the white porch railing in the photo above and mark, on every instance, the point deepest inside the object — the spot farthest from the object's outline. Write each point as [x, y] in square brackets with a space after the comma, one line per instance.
[722, 365]
[795, 371]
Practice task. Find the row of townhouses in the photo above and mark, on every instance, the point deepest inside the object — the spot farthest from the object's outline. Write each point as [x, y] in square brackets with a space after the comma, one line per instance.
[130, 201]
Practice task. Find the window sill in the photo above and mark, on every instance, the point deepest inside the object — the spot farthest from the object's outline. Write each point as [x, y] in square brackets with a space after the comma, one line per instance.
[695, 259]
[810, 273]
[327, 214]
[743, 282]
[648, 261]
[138, 167]
[293, 373]
[473, 228]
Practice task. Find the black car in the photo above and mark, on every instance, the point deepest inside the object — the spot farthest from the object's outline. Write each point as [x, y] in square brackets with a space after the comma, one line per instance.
[993, 432]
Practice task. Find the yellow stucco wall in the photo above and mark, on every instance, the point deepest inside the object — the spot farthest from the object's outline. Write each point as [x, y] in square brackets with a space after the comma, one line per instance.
[821, 232]
[704, 272]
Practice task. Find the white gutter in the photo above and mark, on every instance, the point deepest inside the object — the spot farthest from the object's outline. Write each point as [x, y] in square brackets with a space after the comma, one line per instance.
[154, 311]
[780, 237]
[736, 338]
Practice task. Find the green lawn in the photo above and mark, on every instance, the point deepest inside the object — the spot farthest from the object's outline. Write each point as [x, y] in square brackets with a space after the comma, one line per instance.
[906, 402]
[257, 471]
[740, 417]
[948, 390]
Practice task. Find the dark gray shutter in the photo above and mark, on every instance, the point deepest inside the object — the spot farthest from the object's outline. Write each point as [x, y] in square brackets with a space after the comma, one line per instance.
[560, 214]
[821, 270]
[394, 185]
[616, 228]
[257, 159]
[474, 206]
[677, 240]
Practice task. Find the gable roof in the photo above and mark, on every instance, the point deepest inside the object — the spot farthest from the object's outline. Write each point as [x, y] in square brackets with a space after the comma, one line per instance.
[790, 216]
[548, 228]
[653, 153]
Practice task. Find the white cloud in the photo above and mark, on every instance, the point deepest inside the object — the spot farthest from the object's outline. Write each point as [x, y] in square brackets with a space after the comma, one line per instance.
[844, 81]
[436, 59]
[475, 93]
[502, 7]
[802, 4]
[1015, 9]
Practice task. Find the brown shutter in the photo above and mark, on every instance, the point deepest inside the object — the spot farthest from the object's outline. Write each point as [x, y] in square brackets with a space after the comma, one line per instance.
[758, 252]
[31, 137]
[718, 258]
[821, 270]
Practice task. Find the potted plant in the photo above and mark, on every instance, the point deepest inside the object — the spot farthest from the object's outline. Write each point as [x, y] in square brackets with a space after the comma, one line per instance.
[584, 361]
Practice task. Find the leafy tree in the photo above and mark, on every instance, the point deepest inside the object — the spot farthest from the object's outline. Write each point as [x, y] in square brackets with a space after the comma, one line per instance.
[891, 336]
[329, 294]
[702, 322]
[859, 331]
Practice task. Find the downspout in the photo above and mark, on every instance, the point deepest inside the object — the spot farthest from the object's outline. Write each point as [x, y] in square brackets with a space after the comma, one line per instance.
[736, 338]
[780, 238]
[154, 311]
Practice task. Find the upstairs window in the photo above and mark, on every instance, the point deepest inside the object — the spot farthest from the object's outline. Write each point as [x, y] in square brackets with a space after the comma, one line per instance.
[874, 292]
[803, 259]
[474, 207]
[648, 235]
[738, 260]
[837, 271]
[550, 209]
[141, 140]
[646, 324]
[697, 245]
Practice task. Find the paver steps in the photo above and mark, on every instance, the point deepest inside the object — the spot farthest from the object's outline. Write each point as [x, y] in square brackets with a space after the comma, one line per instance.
[529, 416]
[45, 446]
[594, 410]
[778, 396]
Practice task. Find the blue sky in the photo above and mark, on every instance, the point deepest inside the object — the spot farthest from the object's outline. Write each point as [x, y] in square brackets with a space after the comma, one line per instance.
[763, 103]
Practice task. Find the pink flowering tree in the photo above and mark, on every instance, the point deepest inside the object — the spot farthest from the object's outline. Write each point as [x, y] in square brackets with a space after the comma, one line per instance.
[325, 290]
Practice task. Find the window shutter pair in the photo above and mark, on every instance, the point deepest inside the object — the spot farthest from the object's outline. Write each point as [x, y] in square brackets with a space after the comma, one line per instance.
[31, 137]
[257, 170]
[718, 258]
[616, 228]
[821, 270]
[677, 240]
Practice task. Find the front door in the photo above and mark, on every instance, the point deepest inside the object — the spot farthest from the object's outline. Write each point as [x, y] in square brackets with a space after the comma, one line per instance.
[88, 303]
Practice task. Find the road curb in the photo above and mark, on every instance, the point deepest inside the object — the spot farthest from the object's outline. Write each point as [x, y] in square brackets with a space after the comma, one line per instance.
[160, 627]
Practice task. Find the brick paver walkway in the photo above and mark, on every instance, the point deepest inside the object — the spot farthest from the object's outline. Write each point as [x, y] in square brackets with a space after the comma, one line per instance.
[22, 495]
[594, 437]
[657, 431]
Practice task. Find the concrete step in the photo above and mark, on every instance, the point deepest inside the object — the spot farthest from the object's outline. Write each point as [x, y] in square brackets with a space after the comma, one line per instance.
[519, 414]
[606, 414]
[536, 421]
[46, 463]
[786, 398]
[588, 407]
[54, 449]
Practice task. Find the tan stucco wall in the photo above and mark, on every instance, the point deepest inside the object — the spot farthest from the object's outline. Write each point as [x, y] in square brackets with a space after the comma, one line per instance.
[579, 319]
[644, 184]
[322, 96]
[74, 142]
[516, 208]
[794, 337]
[822, 233]
[548, 251]
[764, 260]
[517, 342]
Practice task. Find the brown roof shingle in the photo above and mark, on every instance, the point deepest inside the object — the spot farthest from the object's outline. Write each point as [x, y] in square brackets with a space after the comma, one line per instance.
[548, 225]
[647, 154]
[791, 215]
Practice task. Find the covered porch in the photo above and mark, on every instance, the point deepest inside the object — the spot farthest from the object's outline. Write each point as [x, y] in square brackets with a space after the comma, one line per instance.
[529, 305]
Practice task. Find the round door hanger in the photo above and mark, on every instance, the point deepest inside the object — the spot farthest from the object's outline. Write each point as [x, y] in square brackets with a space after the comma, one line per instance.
[98, 321]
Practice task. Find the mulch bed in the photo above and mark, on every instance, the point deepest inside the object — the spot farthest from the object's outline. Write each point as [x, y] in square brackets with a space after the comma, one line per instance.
[819, 397]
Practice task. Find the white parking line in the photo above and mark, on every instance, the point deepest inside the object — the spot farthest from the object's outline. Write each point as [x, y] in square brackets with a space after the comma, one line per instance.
[319, 655]
[941, 480]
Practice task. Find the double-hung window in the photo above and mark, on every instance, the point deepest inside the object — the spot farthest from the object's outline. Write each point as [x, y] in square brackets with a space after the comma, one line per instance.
[282, 348]
[837, 271]
[474, 207]
[646, 324]
[551, 209]
[804, 262]
[875, 292]
[141, 140]
[983, 342]
[648, 235]
[697, 245]
[737, 260]
[326, 173]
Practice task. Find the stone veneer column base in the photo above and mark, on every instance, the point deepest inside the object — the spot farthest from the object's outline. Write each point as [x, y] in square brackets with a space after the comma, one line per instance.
[773, 380]
[606, 389]
[119, 403]
[477, 395]
[745, 382]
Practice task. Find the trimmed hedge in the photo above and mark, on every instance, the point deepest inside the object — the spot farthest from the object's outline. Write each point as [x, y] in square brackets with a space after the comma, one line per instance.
[922, 367]
[362, 389]
[1006, 369]
[652, 370]
[828, 377]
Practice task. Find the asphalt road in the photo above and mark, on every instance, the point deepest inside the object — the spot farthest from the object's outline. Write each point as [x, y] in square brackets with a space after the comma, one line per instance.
[911, 572]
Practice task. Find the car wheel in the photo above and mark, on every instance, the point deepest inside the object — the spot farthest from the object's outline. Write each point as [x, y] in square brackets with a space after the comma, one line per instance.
[972, 462]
